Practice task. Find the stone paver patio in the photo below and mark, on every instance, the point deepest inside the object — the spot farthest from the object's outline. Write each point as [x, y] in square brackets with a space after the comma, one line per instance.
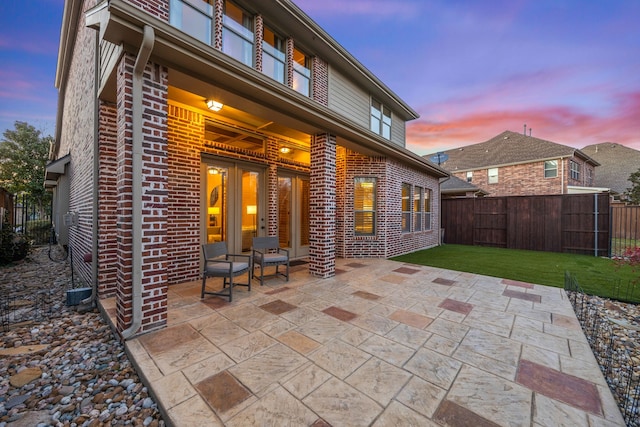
[380, 344]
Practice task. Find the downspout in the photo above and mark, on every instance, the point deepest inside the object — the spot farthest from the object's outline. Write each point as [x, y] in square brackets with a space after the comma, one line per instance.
[96, 172]
[136, 164]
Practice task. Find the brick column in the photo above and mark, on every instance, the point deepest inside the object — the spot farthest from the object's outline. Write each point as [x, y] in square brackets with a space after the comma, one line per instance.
[322, 245]
[153, 256]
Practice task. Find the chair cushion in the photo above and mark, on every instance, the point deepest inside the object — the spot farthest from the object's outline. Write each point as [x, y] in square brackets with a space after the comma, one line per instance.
[223, 267]
[269, 258]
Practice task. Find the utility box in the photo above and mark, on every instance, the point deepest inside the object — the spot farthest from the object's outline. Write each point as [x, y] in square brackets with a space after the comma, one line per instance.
[75, 296]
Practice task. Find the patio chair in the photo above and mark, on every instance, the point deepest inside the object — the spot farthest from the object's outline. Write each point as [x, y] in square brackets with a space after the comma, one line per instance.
[219, 263]
[268, 253]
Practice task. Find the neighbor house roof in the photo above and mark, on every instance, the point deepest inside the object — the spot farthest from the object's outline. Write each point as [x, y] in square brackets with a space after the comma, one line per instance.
[508, 148]
[455, 185]
[617, 162]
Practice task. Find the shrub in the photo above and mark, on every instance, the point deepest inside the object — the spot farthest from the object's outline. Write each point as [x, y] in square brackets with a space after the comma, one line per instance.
[13, 247]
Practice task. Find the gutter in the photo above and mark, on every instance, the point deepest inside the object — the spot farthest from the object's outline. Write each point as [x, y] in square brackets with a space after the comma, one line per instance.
[144, 54]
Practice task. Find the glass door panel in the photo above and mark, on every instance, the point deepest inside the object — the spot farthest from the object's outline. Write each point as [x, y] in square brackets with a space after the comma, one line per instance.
[250, 208]
[293, 214]
[284, 211]
[217, 204]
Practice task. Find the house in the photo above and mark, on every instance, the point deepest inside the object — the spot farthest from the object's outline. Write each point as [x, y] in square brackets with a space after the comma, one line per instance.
[514, 164]
[617, 163]
[183, 122]
[454, 187]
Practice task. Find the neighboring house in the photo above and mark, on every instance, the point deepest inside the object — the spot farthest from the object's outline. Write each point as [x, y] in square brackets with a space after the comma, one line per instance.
[454, 187]
[183, 122]
[514, 164]
[617, 163]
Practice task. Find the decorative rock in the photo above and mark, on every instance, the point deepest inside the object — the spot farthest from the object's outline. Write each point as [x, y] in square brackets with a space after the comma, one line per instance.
[25, 377]
[76, 358]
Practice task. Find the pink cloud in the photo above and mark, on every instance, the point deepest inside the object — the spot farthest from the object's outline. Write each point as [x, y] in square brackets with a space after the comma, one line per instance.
[564, 125]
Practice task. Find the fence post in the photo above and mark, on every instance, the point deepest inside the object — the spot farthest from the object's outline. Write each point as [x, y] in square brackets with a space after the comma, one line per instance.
[595, 243]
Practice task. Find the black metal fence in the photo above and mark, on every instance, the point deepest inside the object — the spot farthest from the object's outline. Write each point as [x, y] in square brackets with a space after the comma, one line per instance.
[19, 309]
[620, 370]
[33, 220]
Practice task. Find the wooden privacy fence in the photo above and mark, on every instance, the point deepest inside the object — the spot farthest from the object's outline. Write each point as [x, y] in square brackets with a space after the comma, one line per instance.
[625, 228]
[573, 223]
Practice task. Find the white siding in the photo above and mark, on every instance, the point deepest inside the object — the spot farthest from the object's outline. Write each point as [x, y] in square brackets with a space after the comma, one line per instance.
[109, 57]
[347, 99]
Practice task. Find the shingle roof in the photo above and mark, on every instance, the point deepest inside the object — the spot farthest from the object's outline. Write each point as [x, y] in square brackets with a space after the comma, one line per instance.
[506, 149]
[457, 185]
[617, 162]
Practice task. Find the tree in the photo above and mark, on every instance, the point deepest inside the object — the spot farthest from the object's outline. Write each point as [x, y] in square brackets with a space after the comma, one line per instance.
[23, 158]
[633, 192]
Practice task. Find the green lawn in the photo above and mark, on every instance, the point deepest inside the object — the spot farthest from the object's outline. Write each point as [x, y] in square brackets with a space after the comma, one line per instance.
[596, 276]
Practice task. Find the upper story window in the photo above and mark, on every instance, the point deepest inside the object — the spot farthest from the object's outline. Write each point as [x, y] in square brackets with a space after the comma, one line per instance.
[273, 55]
[589, 177]
[237, 33]
[492, 175]
[469, 176]
[406, 208]
[364, 206]
[194, 17]
[380, 119]
[575, 170]
[301, 72]
[551, 169]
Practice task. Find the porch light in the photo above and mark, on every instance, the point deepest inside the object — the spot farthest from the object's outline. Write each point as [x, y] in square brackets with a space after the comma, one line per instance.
[285, 150]
[213, 171]
[214, 105]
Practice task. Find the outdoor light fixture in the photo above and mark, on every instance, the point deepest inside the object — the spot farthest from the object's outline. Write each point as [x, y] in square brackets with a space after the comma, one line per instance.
[285, 150]
[214, 105]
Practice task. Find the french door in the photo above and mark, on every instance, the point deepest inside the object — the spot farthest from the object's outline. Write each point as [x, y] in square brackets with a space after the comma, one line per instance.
[234, 199]
[293, 214]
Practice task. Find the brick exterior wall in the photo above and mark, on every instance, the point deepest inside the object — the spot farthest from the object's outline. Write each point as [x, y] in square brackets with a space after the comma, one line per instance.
[157, 8]
[320, 80]
[153, 256]
[186, 137]
[77, 139]
[389, 239]
[528, 179]
[107, 200]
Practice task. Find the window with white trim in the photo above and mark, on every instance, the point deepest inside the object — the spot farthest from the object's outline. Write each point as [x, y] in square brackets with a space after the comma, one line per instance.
[427, 209]
[574, 168]
[469, 176]
[418, 206]
[380, 119]
[273, 55]
[194, 17]
[237, 33]
[301, 72]
[589, 177]
[406, 208]
[551, 169]
[492, 174]
[364, 206]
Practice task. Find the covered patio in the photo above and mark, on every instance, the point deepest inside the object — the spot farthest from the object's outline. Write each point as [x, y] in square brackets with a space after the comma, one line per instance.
[380, 344]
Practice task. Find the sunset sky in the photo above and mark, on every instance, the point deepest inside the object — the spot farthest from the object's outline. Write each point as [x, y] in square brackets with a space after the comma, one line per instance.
[568, 69]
